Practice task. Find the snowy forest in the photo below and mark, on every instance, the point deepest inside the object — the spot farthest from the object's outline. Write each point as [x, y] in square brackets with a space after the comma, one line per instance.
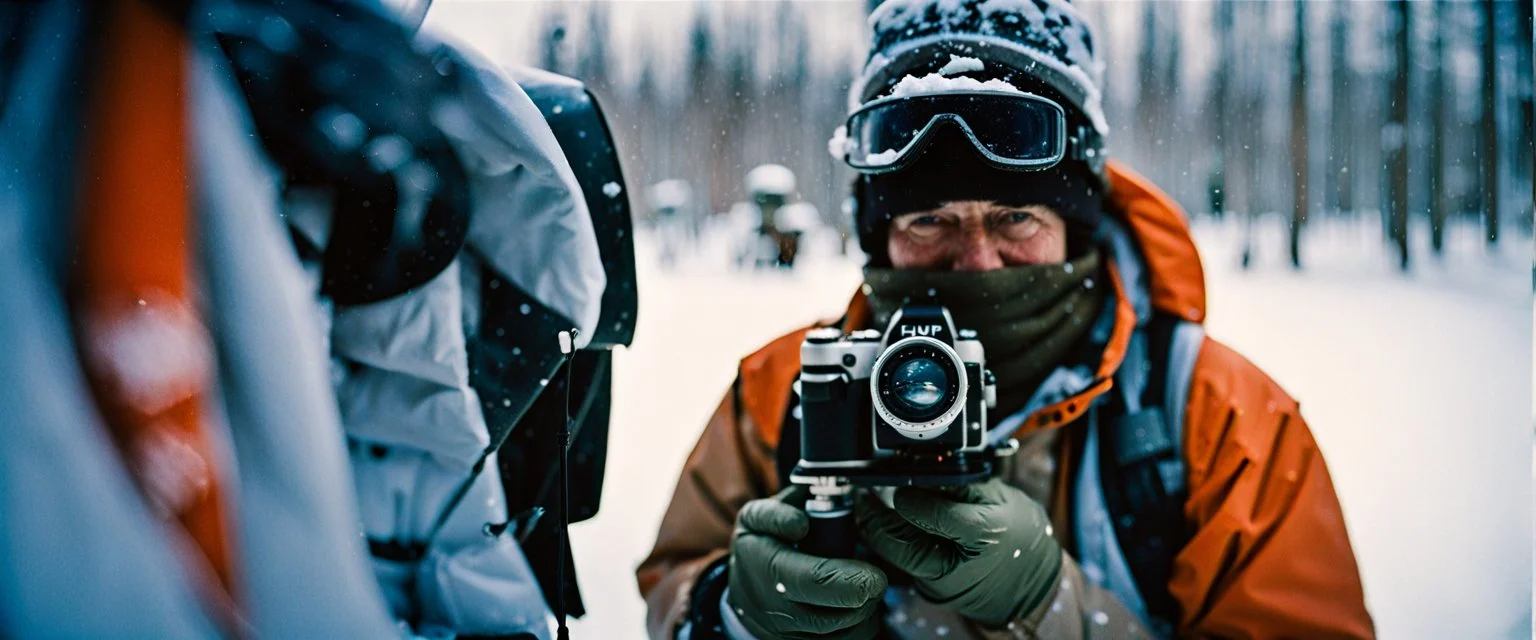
[1347, 138]
[1393, 110]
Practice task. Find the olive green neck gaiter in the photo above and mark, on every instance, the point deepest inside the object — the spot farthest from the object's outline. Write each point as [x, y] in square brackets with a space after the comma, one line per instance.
[1028, 318]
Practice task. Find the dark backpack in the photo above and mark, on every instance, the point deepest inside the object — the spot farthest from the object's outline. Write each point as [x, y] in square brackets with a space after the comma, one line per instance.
[1141, 460]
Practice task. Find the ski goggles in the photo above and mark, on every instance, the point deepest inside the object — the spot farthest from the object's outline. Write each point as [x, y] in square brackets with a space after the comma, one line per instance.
[1013, 131]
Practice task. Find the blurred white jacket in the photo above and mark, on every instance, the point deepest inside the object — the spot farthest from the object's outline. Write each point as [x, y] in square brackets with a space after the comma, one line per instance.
[413, 422]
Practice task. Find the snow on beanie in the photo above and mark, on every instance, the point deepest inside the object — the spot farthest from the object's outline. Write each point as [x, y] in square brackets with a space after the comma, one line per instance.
[1040, 46]
[1046, 40]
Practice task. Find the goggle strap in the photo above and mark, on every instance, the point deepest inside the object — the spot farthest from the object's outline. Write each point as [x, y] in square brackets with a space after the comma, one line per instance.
[1084, 144]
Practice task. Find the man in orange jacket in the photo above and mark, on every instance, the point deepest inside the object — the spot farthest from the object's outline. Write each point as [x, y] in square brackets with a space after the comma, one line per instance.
[977, 131]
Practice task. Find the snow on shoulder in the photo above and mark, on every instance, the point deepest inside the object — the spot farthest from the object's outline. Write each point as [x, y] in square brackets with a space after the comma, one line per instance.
[797, 216]
[669, 194]
[771, 178]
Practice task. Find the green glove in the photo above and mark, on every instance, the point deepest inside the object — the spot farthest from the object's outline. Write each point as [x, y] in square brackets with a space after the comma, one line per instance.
[778, 592]
[984, 550]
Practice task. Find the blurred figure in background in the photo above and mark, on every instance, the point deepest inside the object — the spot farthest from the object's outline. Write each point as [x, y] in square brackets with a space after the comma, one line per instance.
[744, 223]
[671, 203]
[776, 225]
[1163, 484]
[770, 186]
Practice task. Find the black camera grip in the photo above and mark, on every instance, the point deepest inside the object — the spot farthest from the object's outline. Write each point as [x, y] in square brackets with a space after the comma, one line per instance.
[831, 535]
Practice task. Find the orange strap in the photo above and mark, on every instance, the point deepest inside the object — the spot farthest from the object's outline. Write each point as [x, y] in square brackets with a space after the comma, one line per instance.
[144, 348]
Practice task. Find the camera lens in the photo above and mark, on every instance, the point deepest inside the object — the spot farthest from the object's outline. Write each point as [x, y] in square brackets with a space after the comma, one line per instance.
[918, 387]
[919, 384]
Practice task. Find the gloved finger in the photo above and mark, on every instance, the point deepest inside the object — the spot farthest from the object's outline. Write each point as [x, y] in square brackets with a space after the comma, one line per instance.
[971, 525]
[839, 623]
[795, 620]
[771, 516]
[800, 577]
[826, 582]
[913, 550]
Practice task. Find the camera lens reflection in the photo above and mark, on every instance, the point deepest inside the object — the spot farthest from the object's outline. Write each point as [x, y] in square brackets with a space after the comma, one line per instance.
[919, 383]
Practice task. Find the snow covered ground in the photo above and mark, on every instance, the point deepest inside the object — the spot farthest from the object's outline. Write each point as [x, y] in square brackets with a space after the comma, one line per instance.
[1417, 388]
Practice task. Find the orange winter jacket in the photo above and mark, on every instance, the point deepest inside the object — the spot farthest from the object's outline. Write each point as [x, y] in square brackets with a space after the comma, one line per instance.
[1268, 557]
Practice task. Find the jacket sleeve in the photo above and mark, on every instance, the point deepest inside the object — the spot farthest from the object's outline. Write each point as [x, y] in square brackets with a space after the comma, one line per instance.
[1269, 556]
[731, 464]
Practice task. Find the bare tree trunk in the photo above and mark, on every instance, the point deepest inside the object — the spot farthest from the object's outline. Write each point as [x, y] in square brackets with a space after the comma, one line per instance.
[1341, 113]
[1489, 153]
[1527, 162]
[1299, 147]
[1221, 101]
[1251, 105]
[1237, 184]
[1437, 97]
[1149, 115]
[1397, 134]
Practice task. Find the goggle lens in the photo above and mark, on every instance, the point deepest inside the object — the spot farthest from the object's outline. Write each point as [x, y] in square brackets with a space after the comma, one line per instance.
[1013, 131]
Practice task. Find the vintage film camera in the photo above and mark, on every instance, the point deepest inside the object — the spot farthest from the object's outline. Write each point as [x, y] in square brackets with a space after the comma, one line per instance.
[907, 406]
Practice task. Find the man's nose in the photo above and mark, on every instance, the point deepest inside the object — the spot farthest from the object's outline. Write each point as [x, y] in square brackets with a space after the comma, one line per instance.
[977, 252]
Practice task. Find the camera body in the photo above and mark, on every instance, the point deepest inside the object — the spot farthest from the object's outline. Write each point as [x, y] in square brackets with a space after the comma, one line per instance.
[903, 406]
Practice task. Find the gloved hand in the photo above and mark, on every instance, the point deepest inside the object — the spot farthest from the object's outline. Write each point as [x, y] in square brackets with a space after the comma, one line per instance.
[984, 550]
[778, 592]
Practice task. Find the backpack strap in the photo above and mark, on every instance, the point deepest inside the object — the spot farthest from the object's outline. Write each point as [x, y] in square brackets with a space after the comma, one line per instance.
[1142, 467]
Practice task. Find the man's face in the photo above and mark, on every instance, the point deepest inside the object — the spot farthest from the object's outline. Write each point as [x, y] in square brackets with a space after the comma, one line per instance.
[976, 235]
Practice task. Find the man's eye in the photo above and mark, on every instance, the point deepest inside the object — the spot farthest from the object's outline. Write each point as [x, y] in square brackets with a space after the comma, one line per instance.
[1017, 225]
[925, 226]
